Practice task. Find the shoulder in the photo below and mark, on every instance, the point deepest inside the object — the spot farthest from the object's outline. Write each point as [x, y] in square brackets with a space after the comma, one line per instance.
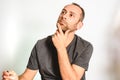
[83, 44]
[44, 41]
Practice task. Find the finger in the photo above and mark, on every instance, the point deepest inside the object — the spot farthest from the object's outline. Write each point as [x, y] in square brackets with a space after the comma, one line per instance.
[5, 77]
[6, 73]
[54, 34]
[57, 33]
[9, 77]
[12, 78]
[12, 73]
[59, 28]
[67, 32]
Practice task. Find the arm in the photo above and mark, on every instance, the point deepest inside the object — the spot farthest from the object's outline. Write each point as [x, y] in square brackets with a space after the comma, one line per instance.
[11, 75]
[28, 74]
[68, 71]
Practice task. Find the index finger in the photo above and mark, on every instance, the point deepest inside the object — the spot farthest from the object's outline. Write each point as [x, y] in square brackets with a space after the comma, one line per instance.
[59, 28]
[12, 72]
[6, 73]
[67, 32]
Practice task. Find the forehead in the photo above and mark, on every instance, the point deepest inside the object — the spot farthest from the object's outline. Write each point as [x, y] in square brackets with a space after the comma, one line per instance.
[73, 8]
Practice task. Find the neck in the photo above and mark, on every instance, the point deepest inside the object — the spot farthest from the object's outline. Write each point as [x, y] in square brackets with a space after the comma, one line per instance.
[70, 38]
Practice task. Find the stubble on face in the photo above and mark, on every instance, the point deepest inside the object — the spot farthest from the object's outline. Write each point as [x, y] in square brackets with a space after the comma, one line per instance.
[65, 26]
[63, 22]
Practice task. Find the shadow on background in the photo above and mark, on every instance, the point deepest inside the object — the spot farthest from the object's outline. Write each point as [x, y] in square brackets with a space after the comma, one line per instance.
[113, 46]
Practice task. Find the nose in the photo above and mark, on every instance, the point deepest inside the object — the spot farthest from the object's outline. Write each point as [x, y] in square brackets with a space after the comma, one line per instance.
[65, 16]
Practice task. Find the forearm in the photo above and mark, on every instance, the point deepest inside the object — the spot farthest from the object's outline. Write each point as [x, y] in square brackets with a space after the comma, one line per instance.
[66, 70]
[27, 75]
[21, 77]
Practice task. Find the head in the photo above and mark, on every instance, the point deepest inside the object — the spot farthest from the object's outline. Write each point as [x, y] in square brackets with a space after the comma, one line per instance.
[71, 17]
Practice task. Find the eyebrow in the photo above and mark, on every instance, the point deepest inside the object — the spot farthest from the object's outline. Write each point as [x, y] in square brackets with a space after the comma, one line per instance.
[70, 11]
[64, 10]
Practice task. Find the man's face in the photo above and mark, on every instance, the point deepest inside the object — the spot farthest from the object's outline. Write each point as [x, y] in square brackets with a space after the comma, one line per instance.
[69, 17]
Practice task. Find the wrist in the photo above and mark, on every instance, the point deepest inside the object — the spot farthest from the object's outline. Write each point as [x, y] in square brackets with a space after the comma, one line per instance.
[61, 49]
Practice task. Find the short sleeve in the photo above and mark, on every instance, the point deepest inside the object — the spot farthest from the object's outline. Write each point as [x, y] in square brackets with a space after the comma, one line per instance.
[82, 58]
[32, 63]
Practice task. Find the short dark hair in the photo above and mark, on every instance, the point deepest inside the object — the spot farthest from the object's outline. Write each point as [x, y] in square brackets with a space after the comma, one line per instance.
[83, 12]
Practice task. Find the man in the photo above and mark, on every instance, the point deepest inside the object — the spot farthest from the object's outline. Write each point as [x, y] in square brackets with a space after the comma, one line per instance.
[62, 56]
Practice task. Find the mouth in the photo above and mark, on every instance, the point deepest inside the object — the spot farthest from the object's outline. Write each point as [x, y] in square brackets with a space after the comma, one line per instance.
[62, 23]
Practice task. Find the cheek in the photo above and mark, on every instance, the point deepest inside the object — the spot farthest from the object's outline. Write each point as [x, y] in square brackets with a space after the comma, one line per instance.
[71, 22]
[59, 17]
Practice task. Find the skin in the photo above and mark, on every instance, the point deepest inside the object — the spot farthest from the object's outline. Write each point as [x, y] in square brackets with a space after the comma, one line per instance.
[68, 22]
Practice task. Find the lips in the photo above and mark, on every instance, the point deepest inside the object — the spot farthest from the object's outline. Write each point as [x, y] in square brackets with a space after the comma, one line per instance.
[62, 22]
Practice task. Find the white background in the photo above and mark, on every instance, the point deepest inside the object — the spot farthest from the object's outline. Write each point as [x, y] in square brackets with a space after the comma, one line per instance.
[23, 22]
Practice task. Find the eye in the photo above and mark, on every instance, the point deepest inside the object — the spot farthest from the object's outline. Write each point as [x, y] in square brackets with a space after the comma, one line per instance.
[63, 12]
[71, 15]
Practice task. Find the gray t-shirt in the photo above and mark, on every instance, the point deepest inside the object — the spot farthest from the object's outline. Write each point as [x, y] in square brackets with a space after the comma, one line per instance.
[44, 57]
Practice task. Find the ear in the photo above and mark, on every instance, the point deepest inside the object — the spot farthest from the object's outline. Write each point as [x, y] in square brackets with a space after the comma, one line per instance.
[79, 25]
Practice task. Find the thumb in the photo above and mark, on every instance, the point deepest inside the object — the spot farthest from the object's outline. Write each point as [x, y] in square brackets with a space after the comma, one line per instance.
[67, 32]
[13, 75]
